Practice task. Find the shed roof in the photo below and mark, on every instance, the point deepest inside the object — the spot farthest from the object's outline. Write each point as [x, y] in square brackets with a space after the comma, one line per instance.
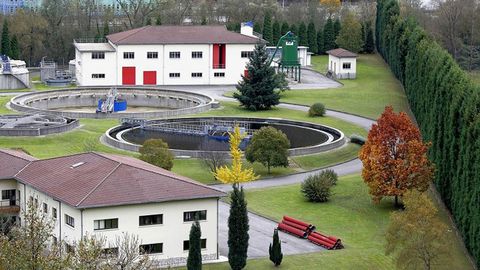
[12, 161]
[341, 53]
[180, 34]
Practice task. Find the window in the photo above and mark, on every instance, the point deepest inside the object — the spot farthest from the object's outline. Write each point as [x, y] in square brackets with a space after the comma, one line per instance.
[98, 55]
[196, 74]
[152, 55]
[45, 208]
[105, 224]
[151, 248]
[186, 244]
[110, 251]
[174, 54]
[174, 75]
[219, 74]
[98, 76]
[8, 194]
[197, 54]
[150, 220]
[54, 212]
[347, 65]
[69, 220]
[128, 55]
[246, 54]
[190, 216]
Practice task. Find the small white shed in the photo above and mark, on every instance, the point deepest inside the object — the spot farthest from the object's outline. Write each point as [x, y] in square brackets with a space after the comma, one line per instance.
[342, 63]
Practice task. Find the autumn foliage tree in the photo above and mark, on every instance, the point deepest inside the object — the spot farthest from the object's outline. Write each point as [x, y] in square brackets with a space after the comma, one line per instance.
[395, 157]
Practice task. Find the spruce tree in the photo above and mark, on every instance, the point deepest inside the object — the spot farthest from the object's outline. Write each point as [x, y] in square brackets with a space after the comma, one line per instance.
[312, 38]
[275, 249]
[5, 48]
[302, 34]
[337, 26]
[267, 28]
[238, 229]
[276, 32]
[106, 29]
[294, 29]
[159, 20]
[328, 35]
[320, 48]
[15, 50]
[285, 28]
[369, 46]
[194, 261]
[258, 90]
[257, 27]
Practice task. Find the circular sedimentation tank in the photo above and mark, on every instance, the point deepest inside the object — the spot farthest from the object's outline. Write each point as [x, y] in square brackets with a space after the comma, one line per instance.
[35, 125]
[142, 102]
[198, 136]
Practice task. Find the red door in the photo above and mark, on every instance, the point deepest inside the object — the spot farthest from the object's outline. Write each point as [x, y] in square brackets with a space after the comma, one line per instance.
[149, 77]
[219, 55]
[245, 73]
[128, 75]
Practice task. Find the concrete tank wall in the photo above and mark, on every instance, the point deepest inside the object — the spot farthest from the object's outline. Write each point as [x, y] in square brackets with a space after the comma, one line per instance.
[17, 81]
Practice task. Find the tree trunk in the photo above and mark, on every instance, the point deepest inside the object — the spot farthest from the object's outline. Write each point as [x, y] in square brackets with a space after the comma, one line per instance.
[396, 201]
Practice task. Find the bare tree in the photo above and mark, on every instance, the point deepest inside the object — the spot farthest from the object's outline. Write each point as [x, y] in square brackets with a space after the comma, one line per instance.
[213, 159]
[137, 11]
[128, 256]
[89, 254]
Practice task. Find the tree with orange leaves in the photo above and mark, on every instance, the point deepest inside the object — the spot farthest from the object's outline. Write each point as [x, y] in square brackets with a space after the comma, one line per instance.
[332, 6]
[395, 157]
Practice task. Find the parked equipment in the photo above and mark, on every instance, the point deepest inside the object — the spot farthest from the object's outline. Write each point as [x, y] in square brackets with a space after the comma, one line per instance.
[304, 230]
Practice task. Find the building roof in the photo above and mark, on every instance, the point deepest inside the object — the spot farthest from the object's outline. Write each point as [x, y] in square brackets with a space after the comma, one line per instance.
[97, 180]
[94, 47]
[180, 34]
[12, 161]
[341, 53]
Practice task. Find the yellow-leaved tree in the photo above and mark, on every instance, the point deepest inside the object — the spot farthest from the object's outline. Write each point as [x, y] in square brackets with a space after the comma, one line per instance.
[235, 173]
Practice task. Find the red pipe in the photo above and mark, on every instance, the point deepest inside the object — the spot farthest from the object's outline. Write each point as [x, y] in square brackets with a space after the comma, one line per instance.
[322, 237]
[292, 230]
[295, 221]
[320, 242]
[296, 225]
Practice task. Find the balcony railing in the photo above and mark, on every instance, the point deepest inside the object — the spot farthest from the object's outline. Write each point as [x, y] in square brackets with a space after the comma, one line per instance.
[10, 207]
[219, 66]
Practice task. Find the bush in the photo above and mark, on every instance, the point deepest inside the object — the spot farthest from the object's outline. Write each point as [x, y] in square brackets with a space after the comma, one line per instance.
[156, 152]
[317, 109]
[357, 139]
[316, 188]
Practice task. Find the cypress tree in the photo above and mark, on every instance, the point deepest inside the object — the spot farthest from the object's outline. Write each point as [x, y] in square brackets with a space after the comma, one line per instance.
[106, 29]
[302, 34]
[149, 21]
[267, 27]
[15, 50]
[194, 261]
[285, 28]
[337, 26]
[276, 34]
[275, 249]
[159, 20]
[5, 49]
[258, 90]
[369, 46]
[328, 35]
[312, 38]
[238, 229]
[294, 29]
[320, 48]
[257, 27]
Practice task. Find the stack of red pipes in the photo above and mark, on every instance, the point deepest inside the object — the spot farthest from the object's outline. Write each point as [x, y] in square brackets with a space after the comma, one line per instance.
[304, 230]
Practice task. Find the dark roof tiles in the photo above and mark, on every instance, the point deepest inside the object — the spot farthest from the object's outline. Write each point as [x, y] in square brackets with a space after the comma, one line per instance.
[340, 53]
[12, 161]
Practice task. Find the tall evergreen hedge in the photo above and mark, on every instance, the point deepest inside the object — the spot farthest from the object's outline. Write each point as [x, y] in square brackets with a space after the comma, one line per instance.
[446, 105]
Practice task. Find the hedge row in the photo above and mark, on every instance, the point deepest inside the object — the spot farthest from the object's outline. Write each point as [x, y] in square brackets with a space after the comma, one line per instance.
[446, 105]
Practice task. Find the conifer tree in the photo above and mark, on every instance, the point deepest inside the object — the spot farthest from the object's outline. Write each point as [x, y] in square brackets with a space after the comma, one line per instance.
[149, 21]
[259, 90]
[238, 229]
[302, 35]
[285, 28]
[337, 26]
[294, 29]
[276, 34]
[328, 35]
[159, 20]
[267, 28]
[194, 261]
[275, 249]
[320, 48]
[257, 27]
[106, 29]
[15, 50]
[369, 46]
[5, 48]
[312, 38]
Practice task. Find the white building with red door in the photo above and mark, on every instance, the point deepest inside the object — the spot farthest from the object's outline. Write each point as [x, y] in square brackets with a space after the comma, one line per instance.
[165, 55]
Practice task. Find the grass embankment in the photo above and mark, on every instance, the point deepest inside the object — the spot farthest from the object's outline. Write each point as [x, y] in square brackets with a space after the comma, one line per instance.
[86, 138]
[374, 88]
[349, 215]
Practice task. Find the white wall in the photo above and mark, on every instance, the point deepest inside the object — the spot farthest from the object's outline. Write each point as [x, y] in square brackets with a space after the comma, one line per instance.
[335, 64]
[86, 66]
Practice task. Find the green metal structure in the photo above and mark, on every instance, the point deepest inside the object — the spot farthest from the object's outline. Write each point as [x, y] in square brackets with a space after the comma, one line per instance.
[289, 61]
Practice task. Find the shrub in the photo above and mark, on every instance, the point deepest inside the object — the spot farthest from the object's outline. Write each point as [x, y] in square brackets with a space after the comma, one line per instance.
[357, 139]
[317, 109]
[156, 152]
[316, 188]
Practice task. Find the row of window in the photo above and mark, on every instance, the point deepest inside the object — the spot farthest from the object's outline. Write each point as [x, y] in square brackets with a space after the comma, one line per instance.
[171, 75]
[173, 55]
[105, 224]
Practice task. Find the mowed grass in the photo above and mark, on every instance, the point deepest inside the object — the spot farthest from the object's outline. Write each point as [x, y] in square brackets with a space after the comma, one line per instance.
[374, 88]
[349, 215]
[345, 153]
[3, 103]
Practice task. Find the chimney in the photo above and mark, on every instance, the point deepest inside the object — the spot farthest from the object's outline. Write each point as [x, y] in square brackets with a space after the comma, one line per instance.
[247, 29]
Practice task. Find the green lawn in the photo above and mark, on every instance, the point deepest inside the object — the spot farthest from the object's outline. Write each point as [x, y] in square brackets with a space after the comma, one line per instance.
[374, 88]
[3, 102]
[349, 215]
[309, 162]
[320, 63]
